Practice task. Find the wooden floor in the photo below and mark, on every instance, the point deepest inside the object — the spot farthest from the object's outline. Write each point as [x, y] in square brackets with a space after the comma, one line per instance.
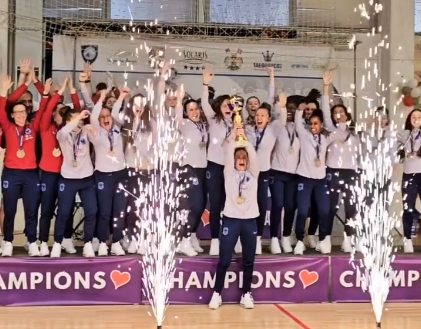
[310, 316]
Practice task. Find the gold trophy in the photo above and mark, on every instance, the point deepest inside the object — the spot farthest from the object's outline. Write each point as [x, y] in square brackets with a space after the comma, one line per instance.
[236, 103]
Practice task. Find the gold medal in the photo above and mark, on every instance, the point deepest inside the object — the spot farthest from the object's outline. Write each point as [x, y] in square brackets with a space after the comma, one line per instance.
[20, 154]
[74, 163]
[340, 142]
[240, 200]
[56, 152]
[202, 144]
[111, 154]
[317, 162]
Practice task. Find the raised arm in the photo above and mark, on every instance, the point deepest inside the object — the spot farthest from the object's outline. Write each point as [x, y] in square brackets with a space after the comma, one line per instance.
[67, 129]
[86, 95]
[299, 123]
[207, 109]
[327, 81]
[17, 94]
[97, 109]
[118, 116]
[179, 107]
[73, 95]
[281, 110]
[7, 84]
[43, 104]
[48, 114]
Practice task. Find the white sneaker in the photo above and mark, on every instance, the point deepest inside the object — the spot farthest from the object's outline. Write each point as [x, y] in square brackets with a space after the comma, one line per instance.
[95, 244]
[299, 248]
[26, 246]
[195, 243]
[408, 247]
[247, 301]
[274, 247]
[143, 248]
[216, 301]
[7, 249]
[68, 246]
[117, 249]
[346, 244]
[186, 248]
[132, 249]
[238, 249]
[259, 245]
[312, 241]
[33, 250]
[125, 243]
[324, 246]
[102, 249]
[286, 244]
[88, 250]
[214, 247]
[56, 250]
[44, 251]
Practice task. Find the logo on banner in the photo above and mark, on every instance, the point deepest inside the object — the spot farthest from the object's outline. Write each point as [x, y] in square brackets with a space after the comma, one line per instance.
[267, 62]
[318, 67]
[156, 57]
[233, 61]
[300, 66]
[121, 57]
[89, 53]
[195, 60]
[308, 278]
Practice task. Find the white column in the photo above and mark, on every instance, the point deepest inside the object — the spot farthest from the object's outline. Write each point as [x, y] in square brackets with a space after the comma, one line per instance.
[4, 36]
[28, 32]
[397, 63]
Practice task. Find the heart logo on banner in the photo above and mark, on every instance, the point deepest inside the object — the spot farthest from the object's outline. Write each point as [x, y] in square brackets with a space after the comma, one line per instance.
[308, 278]
[119, 279]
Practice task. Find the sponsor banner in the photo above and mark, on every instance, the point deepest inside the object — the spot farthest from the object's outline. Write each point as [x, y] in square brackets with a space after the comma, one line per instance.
[275, 280]
[346, 281]
[70, 281]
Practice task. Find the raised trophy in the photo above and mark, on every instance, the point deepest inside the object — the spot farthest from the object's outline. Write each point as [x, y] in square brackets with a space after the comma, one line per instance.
[236, 104]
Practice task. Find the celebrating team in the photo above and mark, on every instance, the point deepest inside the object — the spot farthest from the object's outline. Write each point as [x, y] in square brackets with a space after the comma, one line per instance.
[309, 158]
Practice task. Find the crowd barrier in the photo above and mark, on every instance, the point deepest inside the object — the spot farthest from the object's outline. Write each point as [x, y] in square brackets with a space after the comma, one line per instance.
[116, 280]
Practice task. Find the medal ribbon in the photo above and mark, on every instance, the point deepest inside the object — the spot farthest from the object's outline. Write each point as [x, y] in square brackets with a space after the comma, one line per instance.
[20, 137]
[228, 129]
[241, 184]
[412, 141]
[291, 137]
[318, 140]
[110, 136]
[201, 127]
[76, 143]
[259, 136]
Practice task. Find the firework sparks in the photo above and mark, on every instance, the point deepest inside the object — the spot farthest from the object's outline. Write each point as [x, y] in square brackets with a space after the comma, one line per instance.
[374, 193]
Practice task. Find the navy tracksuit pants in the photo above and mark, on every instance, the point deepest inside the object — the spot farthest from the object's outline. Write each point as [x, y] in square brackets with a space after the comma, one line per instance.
[215, 184]
[312, 214]
[19, 183]
[283, 187]
[68, 188]
[138, 187]
[262, 200]
[111, 204]
[305, 188]
[340, 184]
[232, 229]
[411, 188]
[195, 197]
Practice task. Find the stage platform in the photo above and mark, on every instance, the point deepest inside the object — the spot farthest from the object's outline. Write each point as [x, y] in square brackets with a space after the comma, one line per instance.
[312, 278]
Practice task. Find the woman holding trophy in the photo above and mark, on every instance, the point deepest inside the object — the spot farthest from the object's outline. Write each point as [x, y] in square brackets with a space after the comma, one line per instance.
[241, 174]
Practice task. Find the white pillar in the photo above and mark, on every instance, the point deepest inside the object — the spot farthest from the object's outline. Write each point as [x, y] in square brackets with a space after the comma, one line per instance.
[28, 32]
[4, 36]
[397, 20]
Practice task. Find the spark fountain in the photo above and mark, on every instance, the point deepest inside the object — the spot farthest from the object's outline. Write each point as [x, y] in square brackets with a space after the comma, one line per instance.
[374, 193]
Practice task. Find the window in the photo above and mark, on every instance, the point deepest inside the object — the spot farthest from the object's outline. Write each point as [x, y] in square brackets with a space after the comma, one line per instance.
[166, 11]
[417, 16]
[74, 9]
[250, 12]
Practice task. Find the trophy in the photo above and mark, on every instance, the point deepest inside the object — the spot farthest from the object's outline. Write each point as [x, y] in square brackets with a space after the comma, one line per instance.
[236, 104]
